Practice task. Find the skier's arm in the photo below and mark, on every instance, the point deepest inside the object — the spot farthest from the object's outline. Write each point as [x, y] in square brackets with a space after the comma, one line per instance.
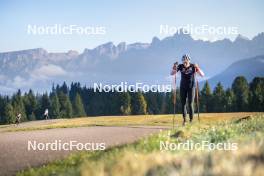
[174, 69]
[173, 72]
[199, 70]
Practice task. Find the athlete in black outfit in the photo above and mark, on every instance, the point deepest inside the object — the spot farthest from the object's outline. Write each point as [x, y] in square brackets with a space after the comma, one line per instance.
[187, 85]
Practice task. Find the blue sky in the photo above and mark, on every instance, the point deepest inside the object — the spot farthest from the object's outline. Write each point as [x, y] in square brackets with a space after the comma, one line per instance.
[129, 21]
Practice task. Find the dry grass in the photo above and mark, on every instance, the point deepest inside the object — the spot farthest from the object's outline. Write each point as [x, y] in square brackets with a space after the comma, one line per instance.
[247, 161]
[133, 120]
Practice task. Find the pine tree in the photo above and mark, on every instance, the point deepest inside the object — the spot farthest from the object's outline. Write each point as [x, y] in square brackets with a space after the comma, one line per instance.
[18, 105]
[206, 98]
[97, 104]
[45, 104]
[64, 88]
[9, 113]
[55, 106]
[257, 94]
[229, 100]
[30, 105]
[139, 105]
[65, 105]
[77, 106]
[153, 104]
[2, 106]
[74, 89]
[125, 103]
[218, 98]
[241, 91]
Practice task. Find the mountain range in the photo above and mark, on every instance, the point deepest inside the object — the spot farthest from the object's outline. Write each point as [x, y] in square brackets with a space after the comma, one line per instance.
[249, 68]
[138, 62]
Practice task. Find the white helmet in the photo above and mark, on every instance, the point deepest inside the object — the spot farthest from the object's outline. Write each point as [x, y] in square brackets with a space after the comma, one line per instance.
[186, 56]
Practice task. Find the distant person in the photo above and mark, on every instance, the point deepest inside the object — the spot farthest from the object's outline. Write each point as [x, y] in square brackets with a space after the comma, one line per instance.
[187, 84]
[18, 118]
[46, 114]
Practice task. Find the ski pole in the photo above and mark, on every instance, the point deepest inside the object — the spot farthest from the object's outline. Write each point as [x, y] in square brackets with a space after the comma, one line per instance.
[174, 96]
[197, 98]
[174, 102]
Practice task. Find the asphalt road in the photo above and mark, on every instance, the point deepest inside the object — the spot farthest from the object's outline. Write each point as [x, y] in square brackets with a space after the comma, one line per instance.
[15, 155]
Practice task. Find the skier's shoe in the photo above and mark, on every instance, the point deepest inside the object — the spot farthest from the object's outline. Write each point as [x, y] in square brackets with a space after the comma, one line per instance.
[184, 122]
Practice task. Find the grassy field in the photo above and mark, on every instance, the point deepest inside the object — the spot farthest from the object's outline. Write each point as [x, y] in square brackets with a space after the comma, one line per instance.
[153, 120]
[145, 157]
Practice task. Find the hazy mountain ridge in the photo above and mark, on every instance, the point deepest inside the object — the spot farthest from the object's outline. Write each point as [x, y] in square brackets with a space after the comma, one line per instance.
[151, 63]
[250, 68]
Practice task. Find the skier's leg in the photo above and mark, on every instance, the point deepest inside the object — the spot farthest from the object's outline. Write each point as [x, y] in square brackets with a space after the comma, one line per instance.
[191, 96]
[183, 95]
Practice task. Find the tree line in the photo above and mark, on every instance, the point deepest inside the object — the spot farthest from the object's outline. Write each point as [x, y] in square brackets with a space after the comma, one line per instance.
[76, 101]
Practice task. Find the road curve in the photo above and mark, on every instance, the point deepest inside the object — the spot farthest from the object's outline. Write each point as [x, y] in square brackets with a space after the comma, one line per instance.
[15, 156]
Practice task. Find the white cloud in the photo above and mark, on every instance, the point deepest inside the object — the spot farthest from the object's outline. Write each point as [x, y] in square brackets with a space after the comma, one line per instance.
[47, 71]
[20, 82]
[36, 77]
